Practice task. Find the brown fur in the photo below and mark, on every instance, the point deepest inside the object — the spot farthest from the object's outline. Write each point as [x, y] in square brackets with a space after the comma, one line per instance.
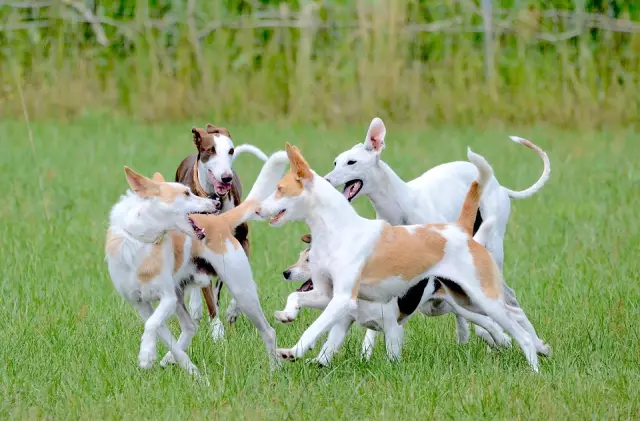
[289, 186]
[219, 228]
[486, 270]
[402, 253]
[177, 240]
[299, 165]
[187, 174]
[151, 266]
[470, 208]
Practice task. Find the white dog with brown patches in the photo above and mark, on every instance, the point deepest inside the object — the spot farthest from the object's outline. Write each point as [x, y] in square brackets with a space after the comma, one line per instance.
[152, 255]
[435, 196]
[353, 257]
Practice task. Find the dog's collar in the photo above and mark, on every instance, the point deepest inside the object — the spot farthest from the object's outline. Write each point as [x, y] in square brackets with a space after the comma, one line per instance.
[157, 240]
[198, 187]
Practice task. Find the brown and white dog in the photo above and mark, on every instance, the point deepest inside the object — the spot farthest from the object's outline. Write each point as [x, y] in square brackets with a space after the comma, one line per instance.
[356, 258]
[160, 246]
[209, 173]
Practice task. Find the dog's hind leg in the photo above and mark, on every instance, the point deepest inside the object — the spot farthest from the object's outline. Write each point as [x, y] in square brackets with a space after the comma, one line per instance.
[368, 343]
[519, 315]
[335, 339]
[216, 326]
[187, 327]
[195, 304]
[497, 336]
[154, 319]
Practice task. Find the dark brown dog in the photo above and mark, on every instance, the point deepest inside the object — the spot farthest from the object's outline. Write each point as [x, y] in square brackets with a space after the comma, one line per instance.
[209, 174]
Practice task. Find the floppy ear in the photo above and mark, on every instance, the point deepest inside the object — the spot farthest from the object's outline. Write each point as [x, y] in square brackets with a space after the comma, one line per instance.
[140, 184]
[375, 136]
[158, 178]
[306, 238]
[198, 134]
[211, 128]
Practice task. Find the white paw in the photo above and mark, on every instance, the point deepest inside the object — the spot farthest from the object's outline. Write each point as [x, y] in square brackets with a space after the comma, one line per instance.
[233, 312]
[285, 316]
[543, 349]
[286, 354]
[217, 330]
[167, 360]
[147, 357]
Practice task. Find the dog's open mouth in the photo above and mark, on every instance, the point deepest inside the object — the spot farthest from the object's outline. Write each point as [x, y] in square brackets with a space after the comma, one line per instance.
[220, 187]
[351, 189]
[307, 286]
[278, 216]
[200, 233]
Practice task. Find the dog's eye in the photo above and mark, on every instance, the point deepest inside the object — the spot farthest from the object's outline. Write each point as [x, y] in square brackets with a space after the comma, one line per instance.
[351, 162]
[231, 151]
[279, 188]
[186, 193]
[334, 163]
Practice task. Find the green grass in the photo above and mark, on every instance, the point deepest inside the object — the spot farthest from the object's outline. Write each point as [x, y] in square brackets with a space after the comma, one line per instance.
[69, 343]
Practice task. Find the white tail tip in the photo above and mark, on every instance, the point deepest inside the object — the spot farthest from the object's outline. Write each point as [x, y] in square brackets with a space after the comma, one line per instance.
[518, 139]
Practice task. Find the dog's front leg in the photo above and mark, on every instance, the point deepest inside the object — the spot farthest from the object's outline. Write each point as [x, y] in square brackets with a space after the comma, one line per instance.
[316, 298]
[338, 308]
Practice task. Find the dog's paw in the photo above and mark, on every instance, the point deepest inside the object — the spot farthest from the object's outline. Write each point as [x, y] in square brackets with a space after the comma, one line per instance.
[147, 357]
[318, 361]
[168, 359]
[543, 349]
[233, 312]
[286, 354]
[285, 316]
[217, 330]
[192, 370]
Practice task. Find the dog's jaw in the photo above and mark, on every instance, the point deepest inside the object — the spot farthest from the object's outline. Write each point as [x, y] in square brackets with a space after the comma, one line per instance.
[352, 189]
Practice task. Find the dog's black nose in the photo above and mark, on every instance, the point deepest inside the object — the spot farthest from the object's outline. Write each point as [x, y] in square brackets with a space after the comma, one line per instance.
[227, 179]
[286, 274]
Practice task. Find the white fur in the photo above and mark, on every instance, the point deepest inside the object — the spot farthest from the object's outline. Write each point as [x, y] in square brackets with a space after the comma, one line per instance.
[343, 241]
[436, 196]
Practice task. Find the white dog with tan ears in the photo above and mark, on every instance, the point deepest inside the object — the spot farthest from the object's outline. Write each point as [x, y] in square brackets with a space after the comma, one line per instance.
[153, 255]
[357, 258]
[436, 196]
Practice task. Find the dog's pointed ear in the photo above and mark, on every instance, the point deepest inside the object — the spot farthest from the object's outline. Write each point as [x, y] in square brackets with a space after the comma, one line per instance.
[141, 185]
[375, 136]
[211, 128]
[158, 178]
[198, 134]
[299, 165]
[306, 238]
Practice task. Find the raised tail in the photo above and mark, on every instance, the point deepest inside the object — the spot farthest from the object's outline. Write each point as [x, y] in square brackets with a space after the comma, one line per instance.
[472, 200]
[253, 150]
[265, 184]
[546, 172]
[484, 232]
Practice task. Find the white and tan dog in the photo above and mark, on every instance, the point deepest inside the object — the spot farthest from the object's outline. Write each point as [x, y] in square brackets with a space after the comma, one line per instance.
[354, 257]
[152, 256]
[436, 196]
[388, 318]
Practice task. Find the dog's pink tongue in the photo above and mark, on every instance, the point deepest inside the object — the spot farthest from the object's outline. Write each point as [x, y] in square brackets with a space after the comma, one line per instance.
[220, 187]
[349, 191]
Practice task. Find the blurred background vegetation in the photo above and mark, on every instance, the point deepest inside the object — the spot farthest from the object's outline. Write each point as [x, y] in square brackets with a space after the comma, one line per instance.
[565, 63]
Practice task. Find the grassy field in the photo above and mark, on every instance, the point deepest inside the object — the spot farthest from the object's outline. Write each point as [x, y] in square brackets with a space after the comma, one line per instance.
[69, 343]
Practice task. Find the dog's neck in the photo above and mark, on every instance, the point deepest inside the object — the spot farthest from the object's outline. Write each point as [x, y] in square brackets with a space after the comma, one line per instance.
[390, 195]
[136, 217]
[329, 213]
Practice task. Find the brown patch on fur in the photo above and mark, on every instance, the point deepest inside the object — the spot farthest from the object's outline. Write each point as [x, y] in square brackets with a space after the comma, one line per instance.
[470, 208]
[289, 186]
[113, 243]
[403, 253]
[151, 266]
[219, 228]
[211, 129]
[486, 270]
[299, 165]
[168, 193]
[178, 240]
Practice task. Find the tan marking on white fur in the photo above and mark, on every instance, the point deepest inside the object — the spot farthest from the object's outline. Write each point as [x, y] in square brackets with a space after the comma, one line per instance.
[486, 270]
[403, 253]
[299, 165]
[169, 193]
[113, 243]
[158, 178]
[302, 262]
[151, 266]
[289, 186]
[470, 208]
[219, 228]
[177, 240]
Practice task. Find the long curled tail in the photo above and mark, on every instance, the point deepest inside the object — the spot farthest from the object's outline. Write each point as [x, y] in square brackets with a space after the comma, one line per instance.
[253, 150]
[472, 200]
[546, 172]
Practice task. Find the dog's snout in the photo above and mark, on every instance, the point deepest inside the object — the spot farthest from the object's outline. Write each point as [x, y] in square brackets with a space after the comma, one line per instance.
[286, 274]
[227, 178]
